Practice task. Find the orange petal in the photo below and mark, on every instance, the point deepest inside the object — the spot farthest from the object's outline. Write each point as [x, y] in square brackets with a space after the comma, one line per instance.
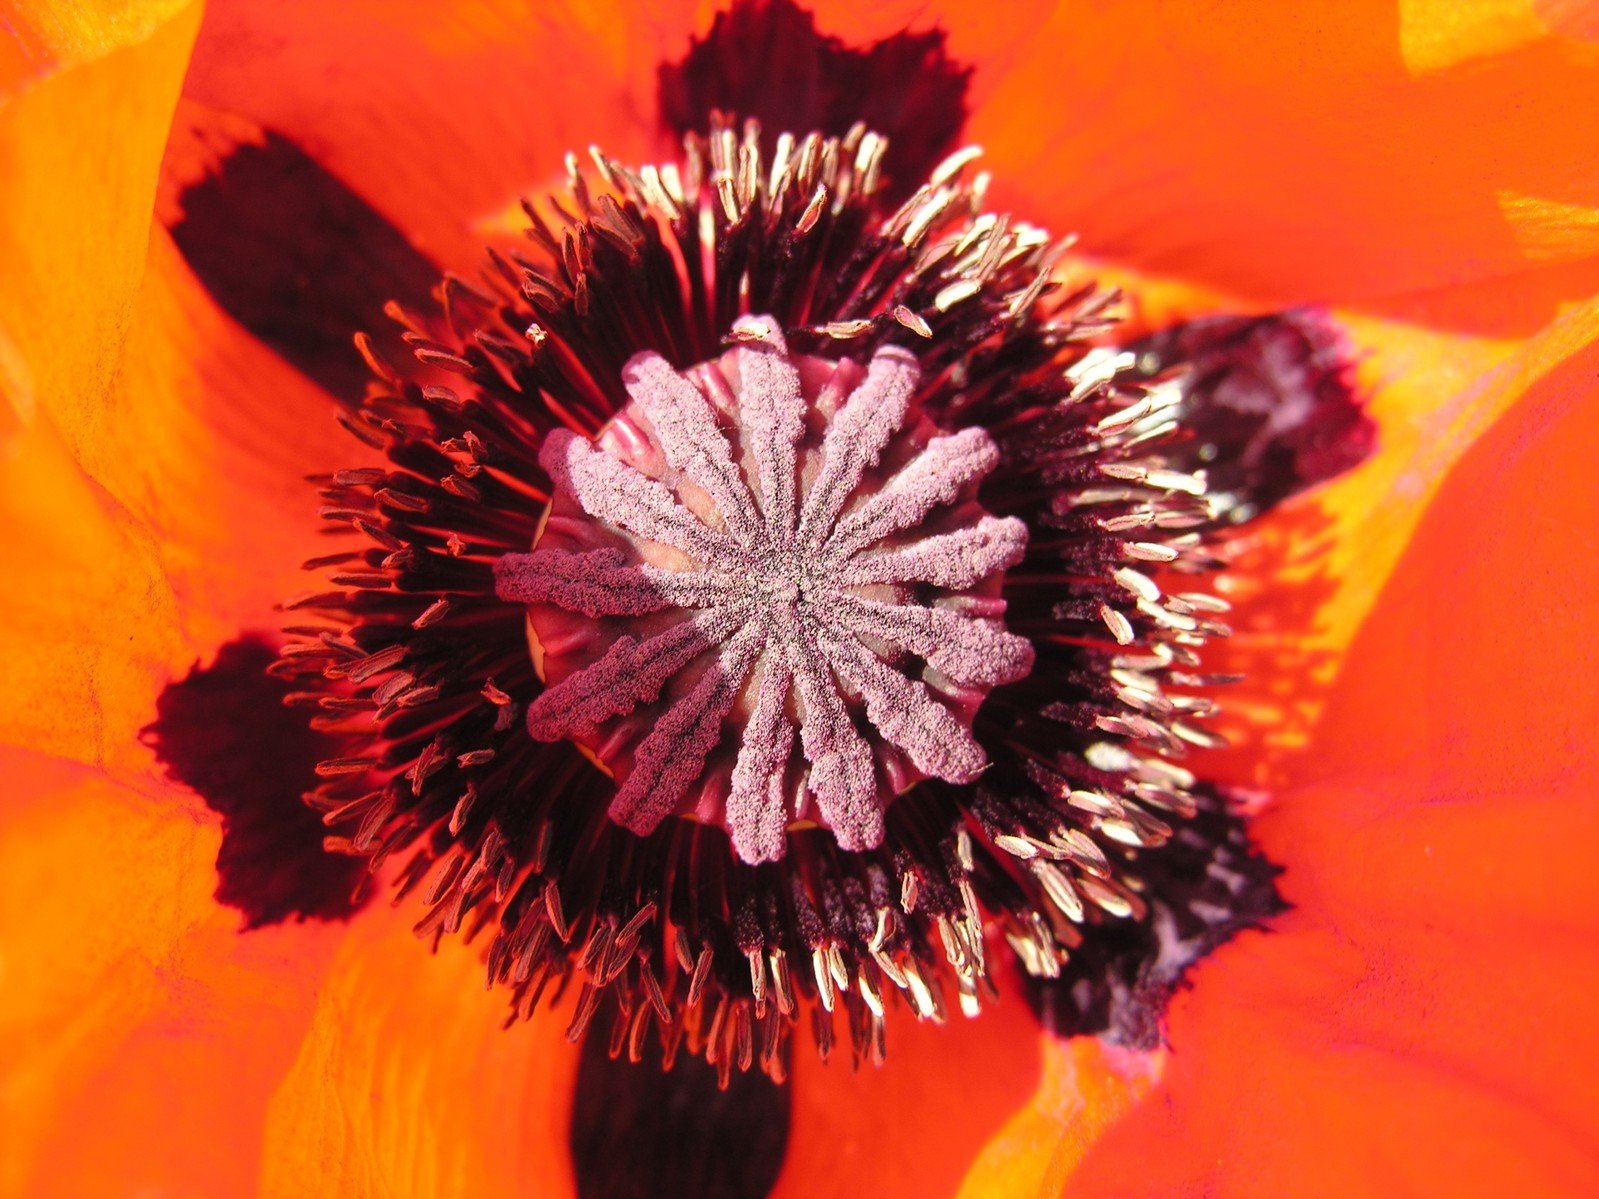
[227, 435]
[78, 158]
[1419, 1023]
[88, 616]
[153, 498]
[1494, 576]
[89, 626]
[144, 1033]
[407, 1082]
[131, 566]
[1286, 1079]
[1310, 572]
[974, 1100]
[1293, 154]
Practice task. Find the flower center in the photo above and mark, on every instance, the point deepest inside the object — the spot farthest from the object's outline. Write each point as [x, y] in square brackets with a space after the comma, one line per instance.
[871, 606]
[766, 595]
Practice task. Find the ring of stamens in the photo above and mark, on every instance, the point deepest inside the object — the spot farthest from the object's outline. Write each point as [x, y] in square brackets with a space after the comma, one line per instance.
[413, 656]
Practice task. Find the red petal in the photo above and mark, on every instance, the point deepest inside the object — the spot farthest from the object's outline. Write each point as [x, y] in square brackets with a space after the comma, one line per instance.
[974, 1104]
[1421, 1023]
[441, 115]
[1301, 153]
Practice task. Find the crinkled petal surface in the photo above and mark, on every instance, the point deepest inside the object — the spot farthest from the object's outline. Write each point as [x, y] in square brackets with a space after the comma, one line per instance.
[146, 1034]
[79, 152]
[90, 621]
[407, 1082]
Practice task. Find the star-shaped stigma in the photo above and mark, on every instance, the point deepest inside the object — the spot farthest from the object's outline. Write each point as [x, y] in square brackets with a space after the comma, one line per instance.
[762, 554]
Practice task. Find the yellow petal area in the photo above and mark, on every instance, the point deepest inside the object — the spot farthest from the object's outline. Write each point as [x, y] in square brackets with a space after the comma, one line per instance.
[1086, 1087]
[89, 626]
[407, 1083]
[1308, 574]
[1435, 398]
[187, 426]
[1550, 229]
[154, 493]
[79, 152]
[143, 1034]
[88, 623]
[51, 32]
[1436, 34]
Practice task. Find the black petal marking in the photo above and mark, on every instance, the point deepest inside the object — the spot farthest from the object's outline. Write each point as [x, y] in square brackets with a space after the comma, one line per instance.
[766, 59]
[297, 258]
[1204, 886]
[640, 1132]
[224, 732]
[1271, 401]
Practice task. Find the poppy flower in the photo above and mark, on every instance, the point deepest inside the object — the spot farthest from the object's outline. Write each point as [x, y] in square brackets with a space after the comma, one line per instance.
[1302, 208]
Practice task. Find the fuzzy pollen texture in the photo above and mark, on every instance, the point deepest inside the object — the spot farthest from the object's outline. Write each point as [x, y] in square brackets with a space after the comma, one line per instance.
[686, 580]
[988, 579]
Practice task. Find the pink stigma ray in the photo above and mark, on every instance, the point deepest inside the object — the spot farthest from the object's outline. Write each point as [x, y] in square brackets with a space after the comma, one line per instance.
[766, 594]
